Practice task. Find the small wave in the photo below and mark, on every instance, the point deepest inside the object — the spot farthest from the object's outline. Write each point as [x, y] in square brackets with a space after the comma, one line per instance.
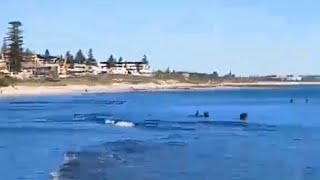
[120, 123]
[40, 120]
[30, 102]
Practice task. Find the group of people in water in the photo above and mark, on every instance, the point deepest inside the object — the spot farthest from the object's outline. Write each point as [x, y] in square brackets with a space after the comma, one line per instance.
[306, 100]
[243, 116]
[205, 114]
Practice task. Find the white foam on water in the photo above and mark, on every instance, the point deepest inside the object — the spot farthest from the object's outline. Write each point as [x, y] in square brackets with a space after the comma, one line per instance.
[55, 175]
[40, 120]
[107, 121]
[68, 158]
[124, 124]
[79, 118]
[119, 123]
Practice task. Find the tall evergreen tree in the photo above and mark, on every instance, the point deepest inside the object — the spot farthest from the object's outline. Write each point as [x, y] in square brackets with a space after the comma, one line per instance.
[168, 71]
[47, 55]
[111, 61]
[15, 39]
[215, 74]
[90, 54]
[80, 58]
[120, 59]
[69, 57]
[145, 59]
[28, 52]
[91, 60]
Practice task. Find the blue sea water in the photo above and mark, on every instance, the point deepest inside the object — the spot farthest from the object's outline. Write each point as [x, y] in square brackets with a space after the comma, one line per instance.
[80, 137]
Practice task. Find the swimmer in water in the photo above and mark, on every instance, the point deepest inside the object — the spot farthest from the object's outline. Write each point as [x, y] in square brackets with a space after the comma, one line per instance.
[197, 113]
[206, 114]
[307, 100]
[291, 101]
[243, 116]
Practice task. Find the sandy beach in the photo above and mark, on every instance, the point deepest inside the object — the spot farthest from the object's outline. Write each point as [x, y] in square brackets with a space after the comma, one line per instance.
[124, 87]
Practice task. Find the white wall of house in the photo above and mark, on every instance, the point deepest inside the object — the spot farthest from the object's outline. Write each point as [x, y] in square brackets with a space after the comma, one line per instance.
[126, 68]
[294, 78]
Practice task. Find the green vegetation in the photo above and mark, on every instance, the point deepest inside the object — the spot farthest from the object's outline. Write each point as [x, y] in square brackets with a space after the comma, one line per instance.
[47, 55]
[91, 60]
[7, 81]
[15, 50]
[160, 75]
[91, 80]
[28, 52]
[145, 59]
[120, 59]
[111, 61]
[69, 57]
[80, 58]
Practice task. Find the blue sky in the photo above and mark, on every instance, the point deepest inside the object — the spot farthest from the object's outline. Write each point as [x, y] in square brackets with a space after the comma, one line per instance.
[248, 37]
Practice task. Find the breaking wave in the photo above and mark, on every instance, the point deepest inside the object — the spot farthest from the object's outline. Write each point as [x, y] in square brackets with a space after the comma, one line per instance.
[120, 123]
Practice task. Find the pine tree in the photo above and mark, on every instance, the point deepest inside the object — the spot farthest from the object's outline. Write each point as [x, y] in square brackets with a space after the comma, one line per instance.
[91, 60]
[145, 59]
[80, 58]
[28, 52]
[47, 55]
[69, 57]
[111, 61]
[15, 39]
[168, 71]
[215, 74]
[90, 54]
[120, 59]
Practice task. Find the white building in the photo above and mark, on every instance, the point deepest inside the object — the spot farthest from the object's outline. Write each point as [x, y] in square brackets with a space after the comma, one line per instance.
[133, 68]
[293, 78]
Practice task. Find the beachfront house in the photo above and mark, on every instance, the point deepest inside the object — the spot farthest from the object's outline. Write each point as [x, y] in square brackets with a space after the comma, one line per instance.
[83, 69]
[3, 64]
[185, 74]
[130, 67]
[293, 78]
[38, 65]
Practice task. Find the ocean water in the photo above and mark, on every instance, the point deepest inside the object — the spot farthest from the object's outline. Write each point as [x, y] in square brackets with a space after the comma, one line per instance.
[154, 135]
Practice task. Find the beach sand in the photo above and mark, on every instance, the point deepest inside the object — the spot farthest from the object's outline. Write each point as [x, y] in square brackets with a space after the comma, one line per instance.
[124, 87]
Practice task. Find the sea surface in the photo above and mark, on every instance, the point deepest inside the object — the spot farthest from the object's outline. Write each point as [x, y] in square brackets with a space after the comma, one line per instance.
[155, 135]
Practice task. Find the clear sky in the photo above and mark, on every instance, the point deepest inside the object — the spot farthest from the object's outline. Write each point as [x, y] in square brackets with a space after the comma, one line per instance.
[248, 37]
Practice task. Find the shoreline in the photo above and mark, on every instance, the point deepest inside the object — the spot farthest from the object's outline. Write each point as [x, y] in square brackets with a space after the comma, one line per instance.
[125, 87]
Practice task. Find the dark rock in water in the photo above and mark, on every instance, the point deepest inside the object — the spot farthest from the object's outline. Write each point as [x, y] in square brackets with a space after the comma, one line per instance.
[243, 116]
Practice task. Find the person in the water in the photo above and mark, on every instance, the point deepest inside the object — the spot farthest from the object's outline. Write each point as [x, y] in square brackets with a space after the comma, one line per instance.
[197, 113]
[291, 101]
[307, 100]
[206, 114]
[243, 116]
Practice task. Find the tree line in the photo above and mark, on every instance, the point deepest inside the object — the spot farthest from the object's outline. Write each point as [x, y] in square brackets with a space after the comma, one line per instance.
[13, 50]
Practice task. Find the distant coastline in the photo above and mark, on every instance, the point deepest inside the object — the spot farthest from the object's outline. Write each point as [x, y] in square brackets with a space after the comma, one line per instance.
[29, 90]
